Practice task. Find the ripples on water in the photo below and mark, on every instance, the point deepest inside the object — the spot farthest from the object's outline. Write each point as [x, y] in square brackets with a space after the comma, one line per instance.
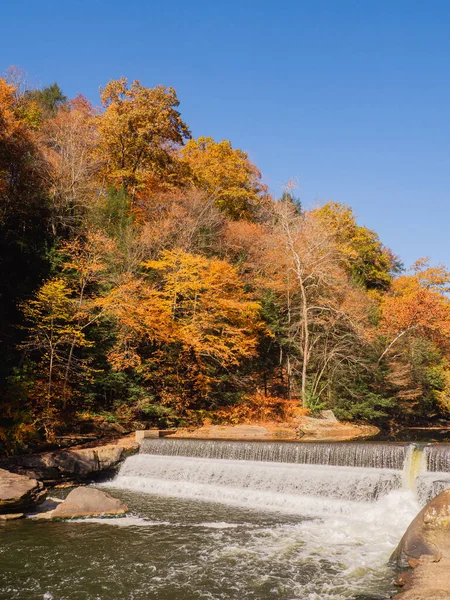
[233, 521]
[171, 549]
[263, 531]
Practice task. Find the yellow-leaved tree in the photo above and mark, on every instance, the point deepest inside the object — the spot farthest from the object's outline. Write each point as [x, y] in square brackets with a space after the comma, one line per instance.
[54, 330]
[183, 324]
[227, 176]
[363, 255]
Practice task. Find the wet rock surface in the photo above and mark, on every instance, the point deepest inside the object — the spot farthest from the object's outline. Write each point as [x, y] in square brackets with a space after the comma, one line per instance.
[425, 547]
[19, 493]
[226, 432]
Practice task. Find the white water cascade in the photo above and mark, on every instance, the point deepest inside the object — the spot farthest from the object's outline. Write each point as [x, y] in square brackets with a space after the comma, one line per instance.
[300, 478]
[336, 510]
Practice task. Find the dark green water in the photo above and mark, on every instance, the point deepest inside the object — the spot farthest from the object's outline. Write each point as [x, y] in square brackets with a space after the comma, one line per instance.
[176, 549]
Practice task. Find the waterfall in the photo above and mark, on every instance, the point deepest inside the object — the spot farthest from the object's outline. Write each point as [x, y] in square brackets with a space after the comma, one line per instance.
[349, 454]
[305, 478]
[414, 465]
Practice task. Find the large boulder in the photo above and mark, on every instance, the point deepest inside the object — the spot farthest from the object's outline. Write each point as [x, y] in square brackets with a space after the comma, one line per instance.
[87, 502]
[425, 547]
[19, 493]
[428, 534]
[429, 580]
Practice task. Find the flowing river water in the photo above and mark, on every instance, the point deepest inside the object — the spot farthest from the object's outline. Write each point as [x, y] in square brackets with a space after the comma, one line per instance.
[216, 520]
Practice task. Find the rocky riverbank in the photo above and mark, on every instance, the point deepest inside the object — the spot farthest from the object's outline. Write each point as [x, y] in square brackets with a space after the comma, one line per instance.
[24, 479]
[72, 465]
[304, 429]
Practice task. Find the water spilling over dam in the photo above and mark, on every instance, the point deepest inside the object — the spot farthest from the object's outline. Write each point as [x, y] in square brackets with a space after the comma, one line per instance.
[351, 503]
[292, 477]
[227, 520]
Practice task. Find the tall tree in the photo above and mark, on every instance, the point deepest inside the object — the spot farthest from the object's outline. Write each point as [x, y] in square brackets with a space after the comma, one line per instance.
[139, 131]
[324, 314]
[68, 141]
[55, 329]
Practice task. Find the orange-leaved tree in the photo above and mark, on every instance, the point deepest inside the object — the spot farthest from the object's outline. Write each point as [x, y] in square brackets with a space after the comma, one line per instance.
[415, 329]
[139, 132]
[226, 175]
[417, 304]
[67, 141]
[183, 324]
[212, 313]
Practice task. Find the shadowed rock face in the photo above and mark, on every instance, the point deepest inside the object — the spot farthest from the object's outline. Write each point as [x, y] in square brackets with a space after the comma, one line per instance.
[426, 548]
[86, 502]
[75, 464]
[18, 493]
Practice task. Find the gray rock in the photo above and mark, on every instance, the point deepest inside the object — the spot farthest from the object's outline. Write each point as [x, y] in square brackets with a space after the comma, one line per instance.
[19, 493]
[329, 416]
[88, 502]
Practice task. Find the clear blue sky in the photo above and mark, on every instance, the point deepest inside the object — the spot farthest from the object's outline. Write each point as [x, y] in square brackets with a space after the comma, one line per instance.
[350, 98]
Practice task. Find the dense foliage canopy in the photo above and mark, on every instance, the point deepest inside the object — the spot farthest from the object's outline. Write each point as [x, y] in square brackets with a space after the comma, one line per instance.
[150, 277]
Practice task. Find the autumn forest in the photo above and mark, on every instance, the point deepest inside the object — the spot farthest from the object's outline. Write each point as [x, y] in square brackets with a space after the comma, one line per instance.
[151, 277]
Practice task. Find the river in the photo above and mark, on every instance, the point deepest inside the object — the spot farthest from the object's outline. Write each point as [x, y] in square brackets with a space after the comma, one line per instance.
[205, 527]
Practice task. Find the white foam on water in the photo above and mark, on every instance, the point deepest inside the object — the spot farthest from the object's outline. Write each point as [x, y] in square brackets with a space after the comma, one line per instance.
[309, 490]
[125, 521]
[356, 515]
[135, 521]
[219, 525]
[350, 551]
[350, 518]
